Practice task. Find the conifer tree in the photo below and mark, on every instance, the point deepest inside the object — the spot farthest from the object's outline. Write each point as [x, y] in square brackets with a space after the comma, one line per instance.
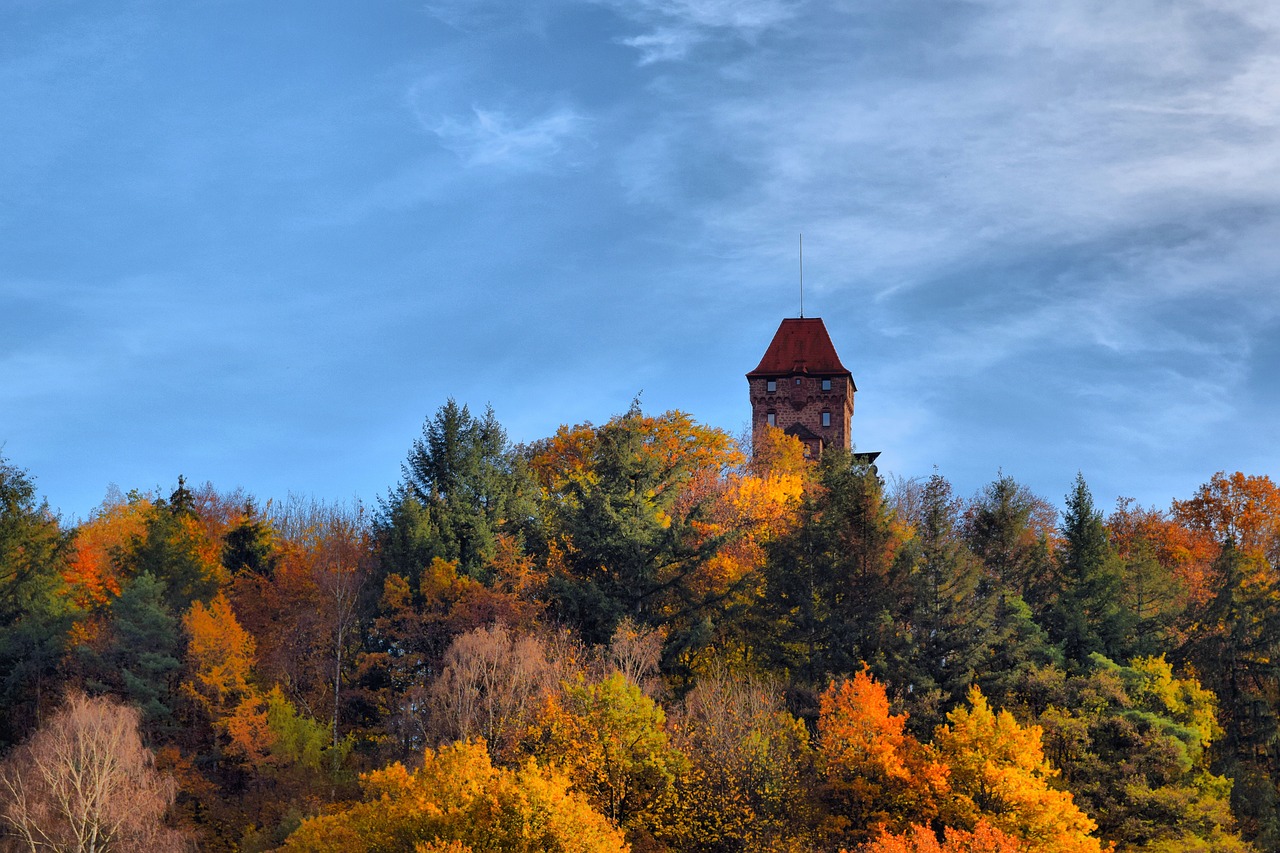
[1086, 616]
[34, 615]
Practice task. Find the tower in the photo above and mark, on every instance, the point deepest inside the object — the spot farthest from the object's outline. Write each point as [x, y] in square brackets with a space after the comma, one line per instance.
[801, 387]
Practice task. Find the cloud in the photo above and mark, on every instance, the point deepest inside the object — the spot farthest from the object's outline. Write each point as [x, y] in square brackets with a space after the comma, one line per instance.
[501, 139]
[678, 26]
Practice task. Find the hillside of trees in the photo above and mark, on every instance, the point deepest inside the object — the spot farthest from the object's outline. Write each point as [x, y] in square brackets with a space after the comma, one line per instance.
[641, 635]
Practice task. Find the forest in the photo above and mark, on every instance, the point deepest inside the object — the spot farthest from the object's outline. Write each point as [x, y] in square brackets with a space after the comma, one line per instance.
[644, 635]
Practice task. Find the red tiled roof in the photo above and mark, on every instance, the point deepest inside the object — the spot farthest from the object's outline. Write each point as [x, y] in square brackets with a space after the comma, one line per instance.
[800, 346]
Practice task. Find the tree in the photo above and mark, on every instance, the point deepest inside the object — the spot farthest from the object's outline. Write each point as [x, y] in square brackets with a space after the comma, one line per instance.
[625, 525]
[461, 486]
[952, 610]
[178, 550]
[85, 783]
[984, 838]
[251, 544]
[458, 800]
[835, 588]
[1086, 614]
[611, 740]
[878, 774]
[1132, 745]
[1240, 508]
[749, 785]
[34, 613]
[998, 771]
[1165, 567]
[489, 687]
[1010, 530]
[137, 657]
[220, 654]
[1237, 653]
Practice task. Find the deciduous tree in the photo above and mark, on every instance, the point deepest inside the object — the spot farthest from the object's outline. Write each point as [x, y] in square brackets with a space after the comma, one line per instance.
[458, 800]
[998, 771]
[879, 776]
[84, 783]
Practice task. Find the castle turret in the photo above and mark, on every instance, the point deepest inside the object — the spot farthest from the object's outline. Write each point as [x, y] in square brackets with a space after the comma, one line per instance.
[801, 387]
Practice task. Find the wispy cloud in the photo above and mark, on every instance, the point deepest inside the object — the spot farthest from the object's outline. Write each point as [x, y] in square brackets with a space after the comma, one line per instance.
[498, 138]
[678, 26]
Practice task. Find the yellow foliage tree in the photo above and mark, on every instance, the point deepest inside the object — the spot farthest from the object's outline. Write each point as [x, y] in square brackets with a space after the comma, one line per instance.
[220, 653]
[611, 740]
[998, 771]
[459, 801]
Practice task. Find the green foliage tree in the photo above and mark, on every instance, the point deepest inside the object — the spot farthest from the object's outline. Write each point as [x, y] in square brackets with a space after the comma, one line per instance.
[953, 611]
[462, 484]
[623, 525]
[176, 550]
[1132, 744]
[1086, 615]
[1237, 653]
[1008, 528]
[834, 588]
[34, 616]
[139, 657]
[251, 545]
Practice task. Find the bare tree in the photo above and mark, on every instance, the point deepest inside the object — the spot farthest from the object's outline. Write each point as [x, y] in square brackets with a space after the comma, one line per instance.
[84, 783]
[636, 651]
[489, 683]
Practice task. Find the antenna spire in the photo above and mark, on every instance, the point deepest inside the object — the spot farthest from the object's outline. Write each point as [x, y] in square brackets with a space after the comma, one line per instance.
[802, 276]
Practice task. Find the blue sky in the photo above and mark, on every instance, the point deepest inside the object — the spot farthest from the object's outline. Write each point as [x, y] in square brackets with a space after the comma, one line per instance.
[258, 243]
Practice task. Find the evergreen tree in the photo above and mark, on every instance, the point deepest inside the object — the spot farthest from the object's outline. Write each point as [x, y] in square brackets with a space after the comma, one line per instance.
[1007, 527]
[250, 544]
[139, 659]
[34, 617]
[1087, 616]
[835, 592]
[462, 484]
[952, 613]
[176, 551]
[1237, 653]
[624, 525]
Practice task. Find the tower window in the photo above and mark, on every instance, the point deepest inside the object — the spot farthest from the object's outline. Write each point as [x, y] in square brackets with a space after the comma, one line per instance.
[772, 418]
[797, 380]
[826, 385]
[826, 419]
[771, 385]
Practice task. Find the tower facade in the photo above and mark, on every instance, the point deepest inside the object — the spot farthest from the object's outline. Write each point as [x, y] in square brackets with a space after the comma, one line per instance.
[801, 387]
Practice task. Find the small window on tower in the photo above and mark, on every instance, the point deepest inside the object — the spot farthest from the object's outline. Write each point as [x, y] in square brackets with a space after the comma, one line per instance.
[826, 419]
[772, 417]
[797, 380]
[826, 385]
[771, 385]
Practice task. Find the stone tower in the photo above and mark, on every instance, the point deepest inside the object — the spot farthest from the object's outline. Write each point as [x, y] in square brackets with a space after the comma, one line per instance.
[801, 387]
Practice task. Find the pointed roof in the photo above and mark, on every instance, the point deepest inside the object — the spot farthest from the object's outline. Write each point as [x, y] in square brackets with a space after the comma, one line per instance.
[801, 345]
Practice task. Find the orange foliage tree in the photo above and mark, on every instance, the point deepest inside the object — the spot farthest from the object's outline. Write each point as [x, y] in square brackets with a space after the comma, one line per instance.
[984, 838]
[1244, 509]
[220, 654]
[93, 574]
[879, 775]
